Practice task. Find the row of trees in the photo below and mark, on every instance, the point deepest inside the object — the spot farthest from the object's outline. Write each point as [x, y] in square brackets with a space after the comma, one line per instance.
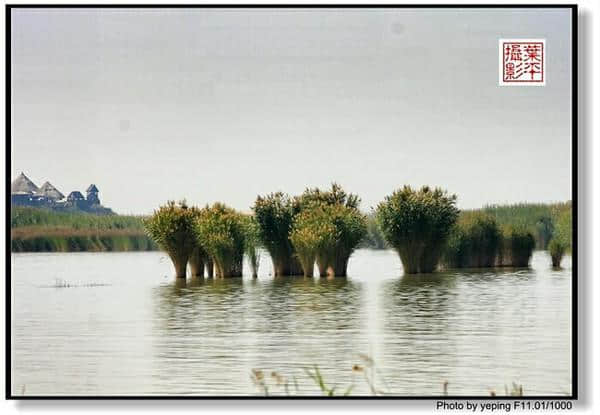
[324, 227]
[215, 237]
[478, 241]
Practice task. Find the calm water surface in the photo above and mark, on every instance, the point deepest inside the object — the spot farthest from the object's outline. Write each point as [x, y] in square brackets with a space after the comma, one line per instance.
[118, 324]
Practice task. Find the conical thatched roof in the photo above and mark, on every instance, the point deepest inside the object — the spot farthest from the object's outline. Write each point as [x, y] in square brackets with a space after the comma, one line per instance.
[92, 189]
[22, 184]
[50, 192]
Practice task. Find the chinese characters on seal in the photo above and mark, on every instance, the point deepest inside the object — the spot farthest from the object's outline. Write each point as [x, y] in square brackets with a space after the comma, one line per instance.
[522, 62]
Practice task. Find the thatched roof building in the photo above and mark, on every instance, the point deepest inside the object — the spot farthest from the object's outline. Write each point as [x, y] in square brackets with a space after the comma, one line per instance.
[22, 185]
[24, 192]
[51, 192]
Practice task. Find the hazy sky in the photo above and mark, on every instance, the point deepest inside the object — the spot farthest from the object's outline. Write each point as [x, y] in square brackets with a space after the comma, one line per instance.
[212, 105]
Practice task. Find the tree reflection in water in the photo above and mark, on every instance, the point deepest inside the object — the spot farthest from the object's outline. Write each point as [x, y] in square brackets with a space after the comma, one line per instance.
[218, 330]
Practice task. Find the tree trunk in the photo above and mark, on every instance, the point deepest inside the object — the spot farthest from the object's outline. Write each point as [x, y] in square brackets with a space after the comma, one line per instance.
[556, 259]
[308, 267]
[322, 265]
[196, 265]
[286, 266]
[180, 265]
[340, 264]
[295, 267]
[210, 272]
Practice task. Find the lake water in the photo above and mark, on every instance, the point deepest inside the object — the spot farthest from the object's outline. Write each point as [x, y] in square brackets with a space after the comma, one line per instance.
[119, 324]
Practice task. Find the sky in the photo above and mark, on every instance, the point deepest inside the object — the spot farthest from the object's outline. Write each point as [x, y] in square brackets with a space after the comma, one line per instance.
[224, 105]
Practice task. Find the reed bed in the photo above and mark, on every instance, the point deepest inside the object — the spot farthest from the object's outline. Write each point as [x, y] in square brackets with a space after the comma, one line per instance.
[538, 218]
[64, 239]
[43, 230]
[28, 216]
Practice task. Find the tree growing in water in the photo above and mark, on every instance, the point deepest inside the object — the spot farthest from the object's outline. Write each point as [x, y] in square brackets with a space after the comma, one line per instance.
[339, 210]
[274, 216]
[313, 233]
[172, 227]
[417, 224]
[252, 243]
[473, 242]
[220, 230]
[516, 247]
[561, 241]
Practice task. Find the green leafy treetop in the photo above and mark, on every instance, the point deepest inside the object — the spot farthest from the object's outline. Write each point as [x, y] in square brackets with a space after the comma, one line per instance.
[274, 214]
[221, 232]
[417, 224]
[348, 226]
[171, 227]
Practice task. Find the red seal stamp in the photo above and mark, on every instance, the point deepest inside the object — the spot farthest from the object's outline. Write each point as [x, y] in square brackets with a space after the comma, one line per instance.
[522, 62]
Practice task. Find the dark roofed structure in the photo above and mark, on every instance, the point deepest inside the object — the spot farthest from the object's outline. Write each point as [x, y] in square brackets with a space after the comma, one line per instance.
[51, 192]
[92, 189]
[23, 185]
[75, 196]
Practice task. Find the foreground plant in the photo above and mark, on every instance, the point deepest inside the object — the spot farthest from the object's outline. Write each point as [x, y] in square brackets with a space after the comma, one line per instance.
[276, 382]
[417, 223]
[220, 230]
[274, 216]
[172, 227]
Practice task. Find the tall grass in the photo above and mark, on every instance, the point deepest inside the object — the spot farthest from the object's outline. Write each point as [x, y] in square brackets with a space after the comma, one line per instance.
[537, 218]
[43, 230]
[64, 239]
[28, 216]
[417, 224]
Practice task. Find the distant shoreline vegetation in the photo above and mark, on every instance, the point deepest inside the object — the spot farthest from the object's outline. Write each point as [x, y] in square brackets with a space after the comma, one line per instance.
[548, 224]
[44, 230]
